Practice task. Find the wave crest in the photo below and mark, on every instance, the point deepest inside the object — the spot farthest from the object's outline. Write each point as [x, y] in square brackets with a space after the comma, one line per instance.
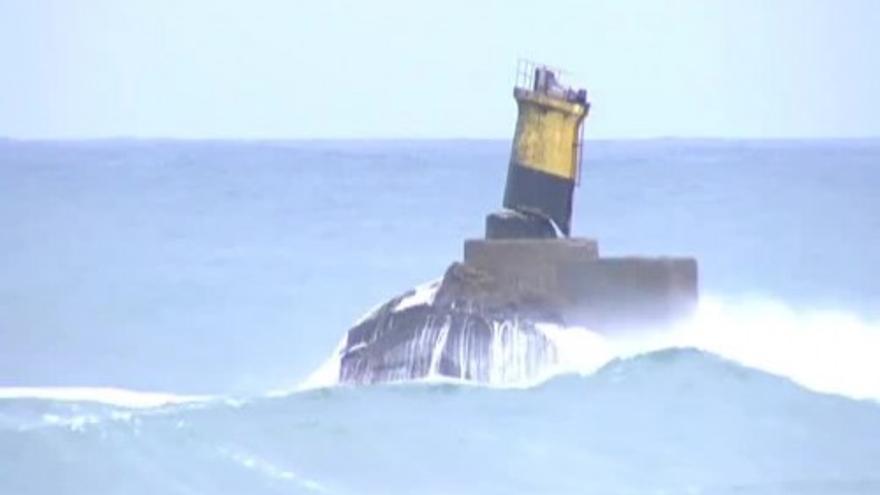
[826, 351]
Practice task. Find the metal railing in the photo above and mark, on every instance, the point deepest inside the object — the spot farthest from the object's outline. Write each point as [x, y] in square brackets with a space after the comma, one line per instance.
[525, 74]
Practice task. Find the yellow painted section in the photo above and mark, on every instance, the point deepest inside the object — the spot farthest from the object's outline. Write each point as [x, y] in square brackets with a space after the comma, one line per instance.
[547, 133]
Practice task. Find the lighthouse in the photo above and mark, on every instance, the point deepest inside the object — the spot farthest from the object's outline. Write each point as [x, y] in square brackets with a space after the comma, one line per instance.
[485, 319]
[545, 158]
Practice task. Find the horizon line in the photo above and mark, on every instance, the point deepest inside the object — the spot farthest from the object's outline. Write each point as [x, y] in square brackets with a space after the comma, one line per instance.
[257, 140]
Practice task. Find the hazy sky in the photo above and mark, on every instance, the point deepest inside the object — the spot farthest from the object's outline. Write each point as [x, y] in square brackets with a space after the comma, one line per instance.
[394, 68]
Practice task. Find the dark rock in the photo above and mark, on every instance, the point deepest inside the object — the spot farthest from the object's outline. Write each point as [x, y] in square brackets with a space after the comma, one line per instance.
[466, 326]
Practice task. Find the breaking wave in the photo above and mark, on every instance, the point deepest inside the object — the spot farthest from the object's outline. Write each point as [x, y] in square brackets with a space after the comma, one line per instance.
[826, 351]
[726, 403]
[669, 421]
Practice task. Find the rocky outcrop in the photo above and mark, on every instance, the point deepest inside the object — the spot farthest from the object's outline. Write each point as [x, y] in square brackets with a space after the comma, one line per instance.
[466, 326]
[486, 320]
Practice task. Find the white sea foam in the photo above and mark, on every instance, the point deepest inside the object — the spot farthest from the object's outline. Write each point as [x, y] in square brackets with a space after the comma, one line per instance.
[105, 395]
[423, 294]
[578, 350]
[74, 423]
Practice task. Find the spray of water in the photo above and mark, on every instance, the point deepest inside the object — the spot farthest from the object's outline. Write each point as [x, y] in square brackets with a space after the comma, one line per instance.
[827, 351]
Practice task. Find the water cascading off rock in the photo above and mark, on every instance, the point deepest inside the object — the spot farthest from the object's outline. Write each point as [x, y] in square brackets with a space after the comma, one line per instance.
[464, 326]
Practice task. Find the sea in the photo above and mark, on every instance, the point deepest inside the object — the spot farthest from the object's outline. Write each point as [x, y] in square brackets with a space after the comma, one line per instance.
[170, 314]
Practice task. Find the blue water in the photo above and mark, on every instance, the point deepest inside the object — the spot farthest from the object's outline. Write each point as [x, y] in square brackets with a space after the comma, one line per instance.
[233, 268]
[668, 422]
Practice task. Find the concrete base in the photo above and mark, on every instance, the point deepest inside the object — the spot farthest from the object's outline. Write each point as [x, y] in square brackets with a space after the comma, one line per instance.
[629, 293]
[598, 293]
[509, 224]
[528, 264]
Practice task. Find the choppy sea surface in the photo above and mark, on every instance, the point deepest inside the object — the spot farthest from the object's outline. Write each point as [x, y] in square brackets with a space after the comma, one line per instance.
[167, 311]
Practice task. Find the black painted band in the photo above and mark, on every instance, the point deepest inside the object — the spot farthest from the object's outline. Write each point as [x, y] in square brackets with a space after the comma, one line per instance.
[532, 191]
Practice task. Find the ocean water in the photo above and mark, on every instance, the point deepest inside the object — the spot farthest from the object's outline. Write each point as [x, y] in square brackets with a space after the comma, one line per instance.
[220, 276]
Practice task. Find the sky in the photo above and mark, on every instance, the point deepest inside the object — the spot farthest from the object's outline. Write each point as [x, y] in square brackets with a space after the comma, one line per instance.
[263, 69]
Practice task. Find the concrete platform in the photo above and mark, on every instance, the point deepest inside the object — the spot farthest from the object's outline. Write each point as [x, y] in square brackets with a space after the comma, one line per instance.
[629, 293]
[528, 264]
[591, 291]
